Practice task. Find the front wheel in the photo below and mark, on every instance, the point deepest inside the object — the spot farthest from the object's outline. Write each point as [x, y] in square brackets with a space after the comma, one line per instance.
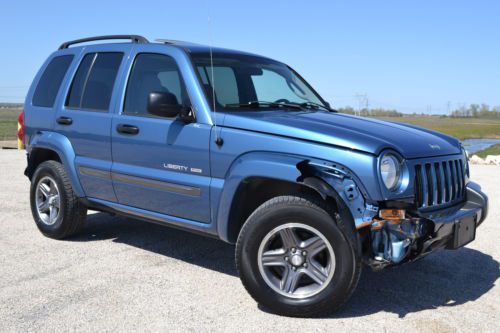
[294, 257]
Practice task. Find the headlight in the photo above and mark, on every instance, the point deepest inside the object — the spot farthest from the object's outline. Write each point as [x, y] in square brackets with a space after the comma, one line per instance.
[390, 170]
[466, 154]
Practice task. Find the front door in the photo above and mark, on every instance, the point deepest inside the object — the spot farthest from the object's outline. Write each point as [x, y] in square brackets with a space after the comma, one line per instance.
[160, 164]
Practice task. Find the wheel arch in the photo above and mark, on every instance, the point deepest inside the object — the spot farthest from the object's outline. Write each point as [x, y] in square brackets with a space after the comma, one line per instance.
[258, 177]
[45, 146]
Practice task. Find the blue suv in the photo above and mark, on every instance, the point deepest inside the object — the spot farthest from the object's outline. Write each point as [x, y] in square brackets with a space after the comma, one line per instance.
[241, 148]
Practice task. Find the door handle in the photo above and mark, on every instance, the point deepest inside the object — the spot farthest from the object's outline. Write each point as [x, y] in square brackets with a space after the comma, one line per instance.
[127, 129]
[64, 121]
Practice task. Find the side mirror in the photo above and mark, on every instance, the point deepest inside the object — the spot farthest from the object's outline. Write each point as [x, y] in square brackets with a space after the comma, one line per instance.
[163, 104]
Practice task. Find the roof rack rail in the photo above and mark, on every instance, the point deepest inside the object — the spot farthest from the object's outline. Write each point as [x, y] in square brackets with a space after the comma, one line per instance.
[173, 42]
[166, 41]
[133, 38]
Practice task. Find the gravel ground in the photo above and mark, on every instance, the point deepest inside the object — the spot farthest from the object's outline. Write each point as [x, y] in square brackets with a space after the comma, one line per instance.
[127, 275]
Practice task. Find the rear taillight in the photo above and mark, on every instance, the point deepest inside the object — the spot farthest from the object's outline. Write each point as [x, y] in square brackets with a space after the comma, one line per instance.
[20, 127]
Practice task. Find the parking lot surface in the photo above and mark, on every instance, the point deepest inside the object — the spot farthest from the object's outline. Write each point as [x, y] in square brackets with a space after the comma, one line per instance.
[127, 275]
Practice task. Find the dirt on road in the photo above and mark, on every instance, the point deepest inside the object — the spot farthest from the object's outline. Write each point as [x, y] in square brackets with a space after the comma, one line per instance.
[127, 275]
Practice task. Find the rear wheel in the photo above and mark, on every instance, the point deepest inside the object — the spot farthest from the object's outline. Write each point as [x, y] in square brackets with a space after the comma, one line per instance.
[295, 258]
[55, 207]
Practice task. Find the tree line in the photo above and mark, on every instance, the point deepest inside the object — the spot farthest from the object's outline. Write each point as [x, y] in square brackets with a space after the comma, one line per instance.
[377, 112]
[11, 105]
[477, 111]
[472, 111]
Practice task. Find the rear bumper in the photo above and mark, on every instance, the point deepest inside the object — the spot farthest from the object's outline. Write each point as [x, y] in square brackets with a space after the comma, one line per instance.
[447, 222]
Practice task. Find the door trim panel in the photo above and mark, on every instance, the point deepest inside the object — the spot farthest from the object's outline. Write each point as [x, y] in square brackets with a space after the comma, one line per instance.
[144, 182]
[95, 172]
[157, 185]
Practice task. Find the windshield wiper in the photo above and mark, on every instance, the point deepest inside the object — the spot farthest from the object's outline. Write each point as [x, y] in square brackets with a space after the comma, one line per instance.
[254, 104]
[316, 106]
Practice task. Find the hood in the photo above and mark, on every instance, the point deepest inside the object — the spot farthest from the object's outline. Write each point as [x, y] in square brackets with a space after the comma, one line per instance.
[358, 133]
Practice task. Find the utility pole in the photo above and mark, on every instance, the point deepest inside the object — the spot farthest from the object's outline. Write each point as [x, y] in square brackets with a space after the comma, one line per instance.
[363, 102]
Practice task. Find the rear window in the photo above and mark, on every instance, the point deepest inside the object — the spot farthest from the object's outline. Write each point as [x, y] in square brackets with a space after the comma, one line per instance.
[93, 83]
[50, 82]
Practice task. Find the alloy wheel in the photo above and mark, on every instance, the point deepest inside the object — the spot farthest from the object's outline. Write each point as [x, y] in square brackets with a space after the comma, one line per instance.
[48, 201]
[296, 260]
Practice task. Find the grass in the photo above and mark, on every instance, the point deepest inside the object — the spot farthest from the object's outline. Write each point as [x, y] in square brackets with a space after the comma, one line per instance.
[8, 130]
[461, 128]
[8, 124]
[493, 150]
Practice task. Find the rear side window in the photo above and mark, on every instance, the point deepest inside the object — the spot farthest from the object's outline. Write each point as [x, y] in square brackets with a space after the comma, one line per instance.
[48, 86]
[93, 83]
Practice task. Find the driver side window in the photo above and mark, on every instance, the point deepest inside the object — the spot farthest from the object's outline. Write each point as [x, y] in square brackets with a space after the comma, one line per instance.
[153, 73]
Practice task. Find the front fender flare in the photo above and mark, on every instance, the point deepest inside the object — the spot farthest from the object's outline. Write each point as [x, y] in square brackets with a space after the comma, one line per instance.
[294, 169]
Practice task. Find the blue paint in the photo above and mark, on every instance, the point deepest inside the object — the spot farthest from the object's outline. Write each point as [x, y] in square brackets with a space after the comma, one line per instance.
[270, 144]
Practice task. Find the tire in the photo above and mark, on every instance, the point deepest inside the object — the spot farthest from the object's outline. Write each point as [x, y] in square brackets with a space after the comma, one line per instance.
[305, 216]
[61, 214]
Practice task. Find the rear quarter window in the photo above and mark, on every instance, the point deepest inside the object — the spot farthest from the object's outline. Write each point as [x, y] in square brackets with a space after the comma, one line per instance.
[50, 81]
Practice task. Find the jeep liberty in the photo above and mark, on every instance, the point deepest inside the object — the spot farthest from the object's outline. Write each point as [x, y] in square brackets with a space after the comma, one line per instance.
[240, 147]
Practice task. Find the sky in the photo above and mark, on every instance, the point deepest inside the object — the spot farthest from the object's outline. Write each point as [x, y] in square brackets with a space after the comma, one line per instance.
[413, 56]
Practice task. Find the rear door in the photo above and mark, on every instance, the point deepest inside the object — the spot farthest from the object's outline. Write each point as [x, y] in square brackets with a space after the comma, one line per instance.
[85, 117]
[160, 164]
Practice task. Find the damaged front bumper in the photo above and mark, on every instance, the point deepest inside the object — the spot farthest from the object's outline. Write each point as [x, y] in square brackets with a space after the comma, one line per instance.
[397, 240]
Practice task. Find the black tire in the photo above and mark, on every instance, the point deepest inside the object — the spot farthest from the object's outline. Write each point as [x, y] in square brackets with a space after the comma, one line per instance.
[316, 214]
[72, 213]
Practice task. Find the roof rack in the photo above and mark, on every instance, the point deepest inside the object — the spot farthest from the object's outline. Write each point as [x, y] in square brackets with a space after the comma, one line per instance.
[166, 41]
[174, 42]
[133, 38]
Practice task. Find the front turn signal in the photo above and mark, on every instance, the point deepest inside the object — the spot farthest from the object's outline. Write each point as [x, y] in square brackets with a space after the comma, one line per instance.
[392, 214]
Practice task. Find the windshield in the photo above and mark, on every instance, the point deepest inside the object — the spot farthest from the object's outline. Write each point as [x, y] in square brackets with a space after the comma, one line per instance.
[244, 82]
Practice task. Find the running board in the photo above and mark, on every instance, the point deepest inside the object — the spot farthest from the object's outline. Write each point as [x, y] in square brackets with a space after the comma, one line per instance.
[205, 229]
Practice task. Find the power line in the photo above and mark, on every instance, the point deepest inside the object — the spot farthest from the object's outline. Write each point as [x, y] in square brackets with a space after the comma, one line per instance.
[362, 102]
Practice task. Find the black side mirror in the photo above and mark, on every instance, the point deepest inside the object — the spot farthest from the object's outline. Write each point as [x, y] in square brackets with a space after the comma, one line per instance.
[163, 104]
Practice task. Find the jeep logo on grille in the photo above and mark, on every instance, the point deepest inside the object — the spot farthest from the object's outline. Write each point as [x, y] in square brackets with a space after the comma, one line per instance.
[434, 146]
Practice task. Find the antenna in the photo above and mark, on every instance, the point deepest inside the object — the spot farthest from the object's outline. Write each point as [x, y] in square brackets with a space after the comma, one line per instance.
[218, 139]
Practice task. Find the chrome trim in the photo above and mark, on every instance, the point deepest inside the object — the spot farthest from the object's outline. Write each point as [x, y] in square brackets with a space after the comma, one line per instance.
[157, 185]
[94, 172]
[132, 180]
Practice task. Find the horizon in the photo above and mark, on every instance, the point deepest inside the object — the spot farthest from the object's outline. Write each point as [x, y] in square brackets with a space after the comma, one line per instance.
[415, 57]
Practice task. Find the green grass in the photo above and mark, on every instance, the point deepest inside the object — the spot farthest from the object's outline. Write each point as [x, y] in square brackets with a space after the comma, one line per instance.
[493, 150]
[8, 130]
[8, 124]
[461, 128]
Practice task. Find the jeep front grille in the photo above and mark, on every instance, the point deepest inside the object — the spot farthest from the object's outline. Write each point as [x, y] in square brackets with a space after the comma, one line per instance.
[439, 183]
